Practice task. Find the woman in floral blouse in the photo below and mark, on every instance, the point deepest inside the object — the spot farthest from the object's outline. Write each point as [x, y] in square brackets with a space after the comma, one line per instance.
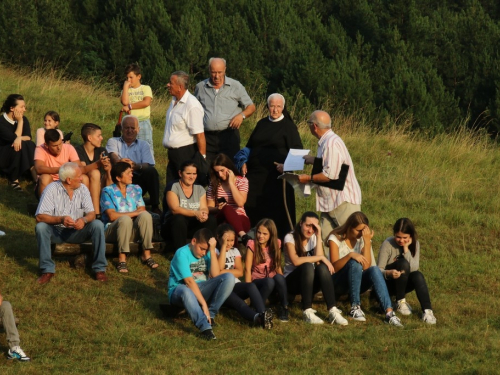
[125, 217]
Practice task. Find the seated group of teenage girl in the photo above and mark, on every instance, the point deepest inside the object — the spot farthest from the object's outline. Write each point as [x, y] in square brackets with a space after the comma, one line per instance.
[348, 266]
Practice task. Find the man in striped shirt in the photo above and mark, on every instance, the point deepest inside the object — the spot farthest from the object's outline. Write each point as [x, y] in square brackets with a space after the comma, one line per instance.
[335, 205]
[66, 214]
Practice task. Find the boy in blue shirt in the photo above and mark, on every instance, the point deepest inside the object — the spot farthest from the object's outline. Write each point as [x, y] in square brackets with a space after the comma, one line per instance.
[196, 284]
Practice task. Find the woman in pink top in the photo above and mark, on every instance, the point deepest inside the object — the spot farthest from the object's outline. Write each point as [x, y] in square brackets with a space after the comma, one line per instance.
[263, 264]
[227, 194]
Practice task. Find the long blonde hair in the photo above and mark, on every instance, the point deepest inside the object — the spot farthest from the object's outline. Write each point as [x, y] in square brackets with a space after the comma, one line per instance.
[355, 219]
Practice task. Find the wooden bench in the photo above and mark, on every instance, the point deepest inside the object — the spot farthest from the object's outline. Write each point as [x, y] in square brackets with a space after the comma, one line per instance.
[77, 253]
[70, 249]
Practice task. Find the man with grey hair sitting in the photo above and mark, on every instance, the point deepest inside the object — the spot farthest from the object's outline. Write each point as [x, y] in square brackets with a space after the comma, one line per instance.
[129, 149]
[338, 194]
[66, 214]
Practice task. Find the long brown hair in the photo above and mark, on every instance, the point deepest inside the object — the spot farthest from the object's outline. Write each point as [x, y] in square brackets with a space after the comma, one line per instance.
[298, 237]
[404, 225]
[272, 243]
[355, 219]
[221, 160]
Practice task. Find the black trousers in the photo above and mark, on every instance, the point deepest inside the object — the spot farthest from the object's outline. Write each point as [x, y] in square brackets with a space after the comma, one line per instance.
[308, 280]
[408, 282]
[222, 142]
[177, 156]
[241, 292]
[178, 228]
[149, 181]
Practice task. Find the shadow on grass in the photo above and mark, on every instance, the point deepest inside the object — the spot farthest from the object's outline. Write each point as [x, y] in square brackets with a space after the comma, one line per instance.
[19, 241]
[14, 245]
[151, 298]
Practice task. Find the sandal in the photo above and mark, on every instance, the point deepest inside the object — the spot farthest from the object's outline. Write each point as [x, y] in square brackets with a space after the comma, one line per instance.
[150, 262]
[121, 267]
[15, 185]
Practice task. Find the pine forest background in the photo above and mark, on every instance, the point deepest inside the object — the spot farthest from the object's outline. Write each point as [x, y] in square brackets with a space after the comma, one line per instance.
[435, 62]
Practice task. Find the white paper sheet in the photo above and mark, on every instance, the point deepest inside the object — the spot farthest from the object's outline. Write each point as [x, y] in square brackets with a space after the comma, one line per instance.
[294, 160]
[301, 190]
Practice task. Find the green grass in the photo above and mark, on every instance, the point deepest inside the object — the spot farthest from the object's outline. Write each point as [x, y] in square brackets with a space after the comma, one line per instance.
[449, 186]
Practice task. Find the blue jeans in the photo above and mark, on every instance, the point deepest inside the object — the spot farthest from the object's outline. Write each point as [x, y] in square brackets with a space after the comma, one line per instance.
[352, 280]
[146, 133]
[47, 234]
[215, 292]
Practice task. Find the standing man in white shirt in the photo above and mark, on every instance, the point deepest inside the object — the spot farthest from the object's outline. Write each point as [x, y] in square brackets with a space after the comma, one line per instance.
[184, 135]
[335, 204]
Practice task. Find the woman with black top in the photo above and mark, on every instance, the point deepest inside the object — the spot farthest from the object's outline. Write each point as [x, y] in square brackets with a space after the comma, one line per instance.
[17, 150]
[269, 144]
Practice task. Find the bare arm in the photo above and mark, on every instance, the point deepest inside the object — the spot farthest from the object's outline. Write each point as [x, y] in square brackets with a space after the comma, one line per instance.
[67, 221]
[236, 121]
[214, 265]
[174, 206]
[41, 168]
[191, 284]
[239, 197]
[113, 215]
[146, 102]
[237, 271]
[248, 265]
[366, 251]
[338, 264]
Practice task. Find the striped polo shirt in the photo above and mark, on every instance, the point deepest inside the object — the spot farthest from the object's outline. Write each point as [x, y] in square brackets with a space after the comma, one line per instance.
[55, 201]
[334, 153]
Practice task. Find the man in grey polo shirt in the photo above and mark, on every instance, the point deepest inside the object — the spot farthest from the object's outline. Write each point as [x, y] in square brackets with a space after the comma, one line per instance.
[226, 104]
[66, 214]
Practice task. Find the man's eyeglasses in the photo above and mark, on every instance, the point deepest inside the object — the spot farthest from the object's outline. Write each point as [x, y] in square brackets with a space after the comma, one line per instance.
[310, 123]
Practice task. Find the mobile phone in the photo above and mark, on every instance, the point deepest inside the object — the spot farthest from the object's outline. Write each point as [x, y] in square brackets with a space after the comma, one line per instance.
[67, 137]
[104, 154]
[221, 200]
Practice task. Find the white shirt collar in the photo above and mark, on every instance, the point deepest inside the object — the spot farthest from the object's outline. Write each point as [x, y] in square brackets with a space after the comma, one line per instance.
[8, 118]
[278, 119]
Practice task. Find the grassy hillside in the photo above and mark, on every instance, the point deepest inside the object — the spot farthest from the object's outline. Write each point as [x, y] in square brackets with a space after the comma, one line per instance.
[448, 185]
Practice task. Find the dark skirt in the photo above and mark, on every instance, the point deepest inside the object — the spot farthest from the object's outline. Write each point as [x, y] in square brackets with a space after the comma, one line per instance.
[15, 163]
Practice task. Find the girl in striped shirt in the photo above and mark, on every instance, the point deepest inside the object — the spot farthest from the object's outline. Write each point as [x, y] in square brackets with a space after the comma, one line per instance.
[227, 194]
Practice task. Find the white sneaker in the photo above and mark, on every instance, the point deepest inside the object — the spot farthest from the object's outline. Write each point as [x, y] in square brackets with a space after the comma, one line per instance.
[335, 316]
[393, 320]
[310, 316]
[2, 233]
[17, 353]
[428, 317]
[357, 314]
[404, 307]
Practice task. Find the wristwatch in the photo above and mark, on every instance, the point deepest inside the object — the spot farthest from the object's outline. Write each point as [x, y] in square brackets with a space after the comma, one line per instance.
[243, 115]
